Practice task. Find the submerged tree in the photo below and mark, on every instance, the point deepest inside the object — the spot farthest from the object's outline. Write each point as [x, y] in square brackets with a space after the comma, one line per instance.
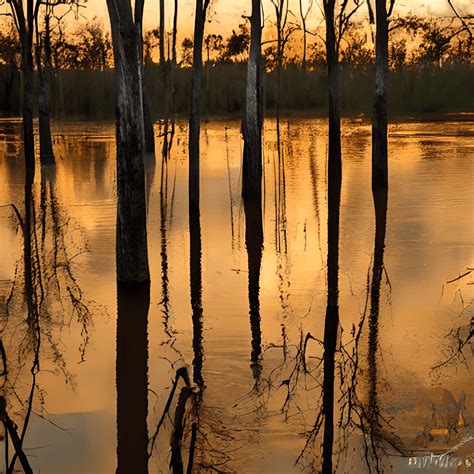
[379, 117]
[196, 99]
[10, 51]
[334, 196]
[43, 64]
[25, 20]
[252, 179]
[252, 168]
[131, 246]
[148, 131]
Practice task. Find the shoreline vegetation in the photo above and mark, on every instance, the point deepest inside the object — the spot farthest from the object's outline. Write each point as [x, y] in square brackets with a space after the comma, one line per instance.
[426, 90]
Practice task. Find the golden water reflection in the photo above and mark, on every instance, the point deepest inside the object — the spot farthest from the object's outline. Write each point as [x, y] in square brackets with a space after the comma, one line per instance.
[251, 426]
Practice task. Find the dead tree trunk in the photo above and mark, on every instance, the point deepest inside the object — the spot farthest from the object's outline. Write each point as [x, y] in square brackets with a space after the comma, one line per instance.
[24, 22]
[379, 117]
[304, 16]
[175, 29]
[131, 244]
[149, 132]
[252, 179]
[252, 169]
[195, 115]
[334, 196]
[162, 34]
[27, 105]
[173, 64]
[28, 133]
[43, 61]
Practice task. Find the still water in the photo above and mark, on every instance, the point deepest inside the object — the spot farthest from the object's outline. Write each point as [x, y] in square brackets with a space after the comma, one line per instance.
[258, 378]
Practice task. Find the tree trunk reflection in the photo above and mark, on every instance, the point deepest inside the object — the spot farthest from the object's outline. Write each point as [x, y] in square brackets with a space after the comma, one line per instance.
[196, 291]
[373, 411]
[132, 378]
[254, 244]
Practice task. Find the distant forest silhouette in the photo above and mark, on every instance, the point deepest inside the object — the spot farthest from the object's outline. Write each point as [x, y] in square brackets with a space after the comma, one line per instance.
[429, 61]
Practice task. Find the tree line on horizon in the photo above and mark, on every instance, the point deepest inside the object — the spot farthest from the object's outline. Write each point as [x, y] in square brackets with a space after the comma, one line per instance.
[415, 41]
[75, 55]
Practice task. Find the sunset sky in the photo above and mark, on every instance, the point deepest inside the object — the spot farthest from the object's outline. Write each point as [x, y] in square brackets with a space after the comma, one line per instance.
[226, 14]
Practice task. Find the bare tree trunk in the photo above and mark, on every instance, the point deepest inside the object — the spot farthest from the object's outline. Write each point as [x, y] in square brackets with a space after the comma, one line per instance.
[173, 64]
[162, 34]
[195, 115]
[148, 121]
[149, 132]
[194, 211]
[43, 61]
[131, 244]
[175, 29]
[27, 70]
[379, 117]
[252, 180]
[334, 197]
[25, 25]
[252, 172]
[163, 65]
[303, 24]
[279, 60]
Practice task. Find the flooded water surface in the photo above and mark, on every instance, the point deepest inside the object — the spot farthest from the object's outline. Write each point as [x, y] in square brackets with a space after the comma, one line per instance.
[221, 361]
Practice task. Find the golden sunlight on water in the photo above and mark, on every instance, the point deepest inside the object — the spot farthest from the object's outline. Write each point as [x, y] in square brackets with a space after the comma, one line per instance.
[258, 407]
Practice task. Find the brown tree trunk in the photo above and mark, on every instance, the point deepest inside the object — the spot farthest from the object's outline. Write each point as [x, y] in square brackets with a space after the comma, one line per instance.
[195, 115]
[175, 28]
[149, 132]
[379, 117]
[165, 92]
[173, 66]
[162, 34]
[303, 23]
[27, 106]
[252, 180]
[147, 119]
[334, 197]
[252, 169]
[43, 61]
[131, 243]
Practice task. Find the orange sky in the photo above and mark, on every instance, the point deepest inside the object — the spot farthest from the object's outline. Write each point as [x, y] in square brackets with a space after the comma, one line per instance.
[226, 14]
